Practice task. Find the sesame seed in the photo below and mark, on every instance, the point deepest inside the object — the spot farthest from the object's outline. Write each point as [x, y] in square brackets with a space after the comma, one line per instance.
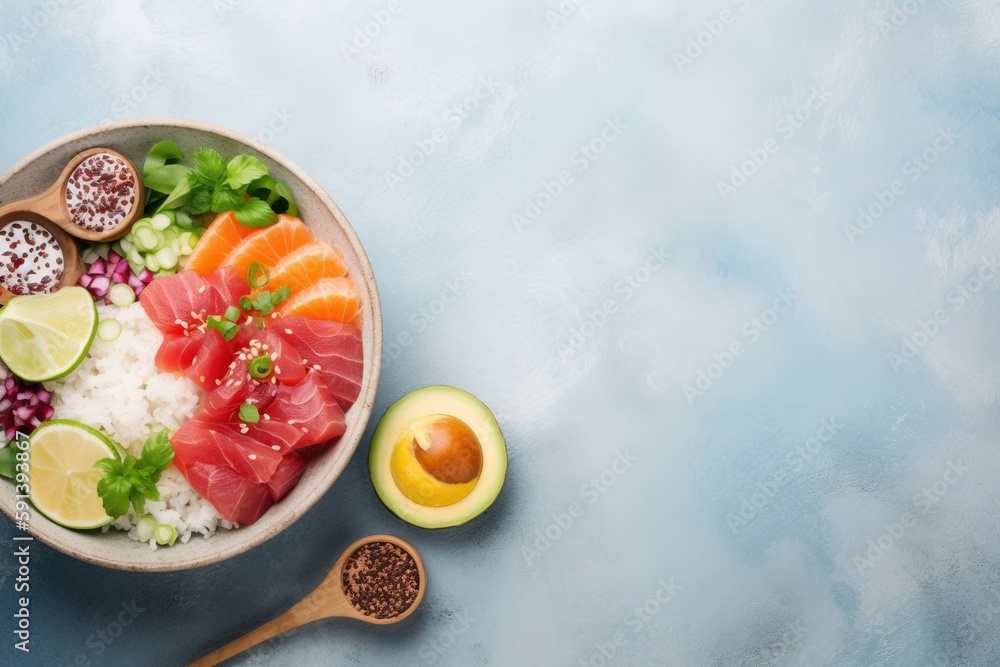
[317, 367]
[201, 290]
[274, 315]
[253, 457]
[243, 425]
[249, 319]
[276, 448]
[267, 417]
[305, 430]
[201, 378]
[274, 355]
[288, 331]
[218, 382]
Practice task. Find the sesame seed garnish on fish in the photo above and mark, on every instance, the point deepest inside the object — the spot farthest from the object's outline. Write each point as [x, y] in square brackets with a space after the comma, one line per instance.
[253, 457]
[317, 367]
[305, 430]
[267, 417]
[288, 331]
[201, 290]
[276, 448]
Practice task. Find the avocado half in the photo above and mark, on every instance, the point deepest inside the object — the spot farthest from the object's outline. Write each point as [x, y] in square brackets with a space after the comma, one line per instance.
[437, 458]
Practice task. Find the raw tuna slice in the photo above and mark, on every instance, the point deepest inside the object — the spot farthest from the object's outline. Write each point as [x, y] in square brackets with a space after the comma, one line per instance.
[211, 362]
[177, 352]
[334, 347]
[223, 445]
[229, 283]
[287, 362]
[183, 298]
[286, 476]
[235, 497]
[235, 388]
[271, 432]
[310, 406]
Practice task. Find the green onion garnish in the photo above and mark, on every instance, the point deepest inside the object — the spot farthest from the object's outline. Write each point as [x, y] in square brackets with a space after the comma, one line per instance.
[249, 413]
[279, 295]
[257, 275]
[246, 303]
[232, 314]
[262, 303]
[260, 367]
[227, 329]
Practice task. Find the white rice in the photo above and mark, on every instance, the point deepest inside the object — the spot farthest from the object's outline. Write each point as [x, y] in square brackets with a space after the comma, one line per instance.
[118, 390]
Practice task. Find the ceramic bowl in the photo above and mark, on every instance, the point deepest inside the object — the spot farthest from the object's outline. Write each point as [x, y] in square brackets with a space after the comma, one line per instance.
[133, 138]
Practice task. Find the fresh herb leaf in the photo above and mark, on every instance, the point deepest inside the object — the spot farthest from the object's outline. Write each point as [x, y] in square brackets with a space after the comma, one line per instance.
[166, 178]
[277, 195]
[209, 165]
[255, 213]
[133, 481]
[179, 196]
[249, 413]
[157, 452]
[162, 153]
[224, 199]
[243, 170]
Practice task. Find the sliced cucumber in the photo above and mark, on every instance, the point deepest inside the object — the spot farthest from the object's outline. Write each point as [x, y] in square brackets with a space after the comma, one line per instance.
[160, 221]
[166, 258]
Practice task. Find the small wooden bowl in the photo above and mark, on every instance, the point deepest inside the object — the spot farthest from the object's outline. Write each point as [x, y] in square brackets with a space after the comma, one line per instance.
[72, 264]
[51, 204]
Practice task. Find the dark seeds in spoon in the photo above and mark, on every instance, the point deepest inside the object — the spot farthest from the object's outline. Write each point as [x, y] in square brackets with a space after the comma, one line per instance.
[381, 580]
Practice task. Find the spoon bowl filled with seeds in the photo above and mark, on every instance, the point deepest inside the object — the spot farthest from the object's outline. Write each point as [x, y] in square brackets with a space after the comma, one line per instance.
[380, 579]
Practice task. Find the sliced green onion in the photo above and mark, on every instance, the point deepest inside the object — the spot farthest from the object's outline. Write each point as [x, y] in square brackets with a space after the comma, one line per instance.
[227, 329]
[109, 329]
[249, 413]
[280, 294]
[165, 535]
[262, 303]
[260, 367]
[260, 322]
[166, 258]
[122, 295]
[145, 239]
[144, 527]
[159, 222]
[232, 314]
[246, 303]
[257, 275]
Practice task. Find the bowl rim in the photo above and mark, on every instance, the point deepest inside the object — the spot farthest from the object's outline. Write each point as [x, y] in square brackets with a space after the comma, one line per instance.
[366, 401]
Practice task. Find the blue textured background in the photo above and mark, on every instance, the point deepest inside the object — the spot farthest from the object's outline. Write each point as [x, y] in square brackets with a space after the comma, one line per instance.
[736, 536]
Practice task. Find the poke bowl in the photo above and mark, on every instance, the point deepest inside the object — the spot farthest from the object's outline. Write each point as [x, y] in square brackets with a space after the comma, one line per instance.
[122, 374]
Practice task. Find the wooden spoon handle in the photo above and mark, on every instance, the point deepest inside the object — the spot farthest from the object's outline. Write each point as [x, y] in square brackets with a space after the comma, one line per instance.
[43, 205]
[304, 612]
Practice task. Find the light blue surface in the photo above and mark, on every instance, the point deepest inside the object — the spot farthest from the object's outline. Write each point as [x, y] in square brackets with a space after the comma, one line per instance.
[819, 501]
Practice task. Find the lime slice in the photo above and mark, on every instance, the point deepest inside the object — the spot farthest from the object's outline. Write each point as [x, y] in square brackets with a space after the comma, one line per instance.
[61, 473]
[46, 336]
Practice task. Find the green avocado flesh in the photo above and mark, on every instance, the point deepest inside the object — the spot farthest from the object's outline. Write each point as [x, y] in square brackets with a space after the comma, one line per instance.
[411, 409]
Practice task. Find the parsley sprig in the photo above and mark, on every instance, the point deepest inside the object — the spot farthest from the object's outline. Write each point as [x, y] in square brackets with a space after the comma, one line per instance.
[132, 480]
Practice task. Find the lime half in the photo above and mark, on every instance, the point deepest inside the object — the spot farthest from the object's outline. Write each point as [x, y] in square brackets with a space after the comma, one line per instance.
[62, 476]
[46, 336]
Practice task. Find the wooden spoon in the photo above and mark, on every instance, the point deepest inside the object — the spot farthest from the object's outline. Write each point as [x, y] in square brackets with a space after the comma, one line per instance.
[72, 264]
[52, 205]
[329, 600]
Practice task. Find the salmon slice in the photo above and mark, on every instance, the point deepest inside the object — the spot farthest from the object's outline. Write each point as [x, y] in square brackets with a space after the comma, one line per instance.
[333, 299]
[271, 244]
[309, 264]
[217, 242]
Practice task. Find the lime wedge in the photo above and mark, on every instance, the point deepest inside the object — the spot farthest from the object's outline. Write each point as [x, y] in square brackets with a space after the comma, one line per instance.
[61, 473]
[46, 336]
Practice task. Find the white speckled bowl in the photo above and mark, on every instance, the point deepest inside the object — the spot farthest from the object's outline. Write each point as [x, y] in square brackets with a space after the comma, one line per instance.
[133, 138]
